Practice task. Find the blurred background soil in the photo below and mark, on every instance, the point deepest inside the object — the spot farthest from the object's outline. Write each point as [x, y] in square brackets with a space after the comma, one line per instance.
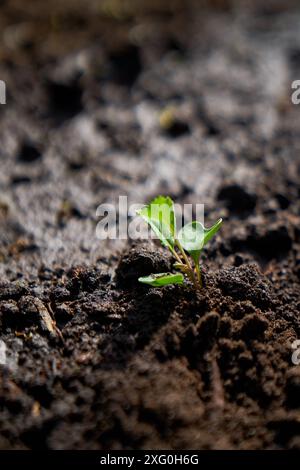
[186, 98]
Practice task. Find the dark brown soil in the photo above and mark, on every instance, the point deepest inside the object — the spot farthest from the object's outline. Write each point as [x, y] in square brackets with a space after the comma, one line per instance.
[93, 359]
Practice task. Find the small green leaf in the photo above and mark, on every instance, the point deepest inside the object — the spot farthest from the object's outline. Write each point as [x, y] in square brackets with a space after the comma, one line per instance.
[162, 279]
[194, 236]
[210, 232]
[160, 215]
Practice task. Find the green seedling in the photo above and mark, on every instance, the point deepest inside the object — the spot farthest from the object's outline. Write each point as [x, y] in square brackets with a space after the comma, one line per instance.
[186, 246]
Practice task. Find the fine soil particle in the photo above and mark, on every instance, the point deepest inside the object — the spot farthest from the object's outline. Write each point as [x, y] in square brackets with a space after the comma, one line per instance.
[89, 357]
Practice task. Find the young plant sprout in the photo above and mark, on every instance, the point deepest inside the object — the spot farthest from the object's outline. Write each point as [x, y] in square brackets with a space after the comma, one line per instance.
[186, 246]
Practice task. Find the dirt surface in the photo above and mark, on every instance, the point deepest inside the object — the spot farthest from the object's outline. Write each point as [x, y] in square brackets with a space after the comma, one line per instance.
[90, 358]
